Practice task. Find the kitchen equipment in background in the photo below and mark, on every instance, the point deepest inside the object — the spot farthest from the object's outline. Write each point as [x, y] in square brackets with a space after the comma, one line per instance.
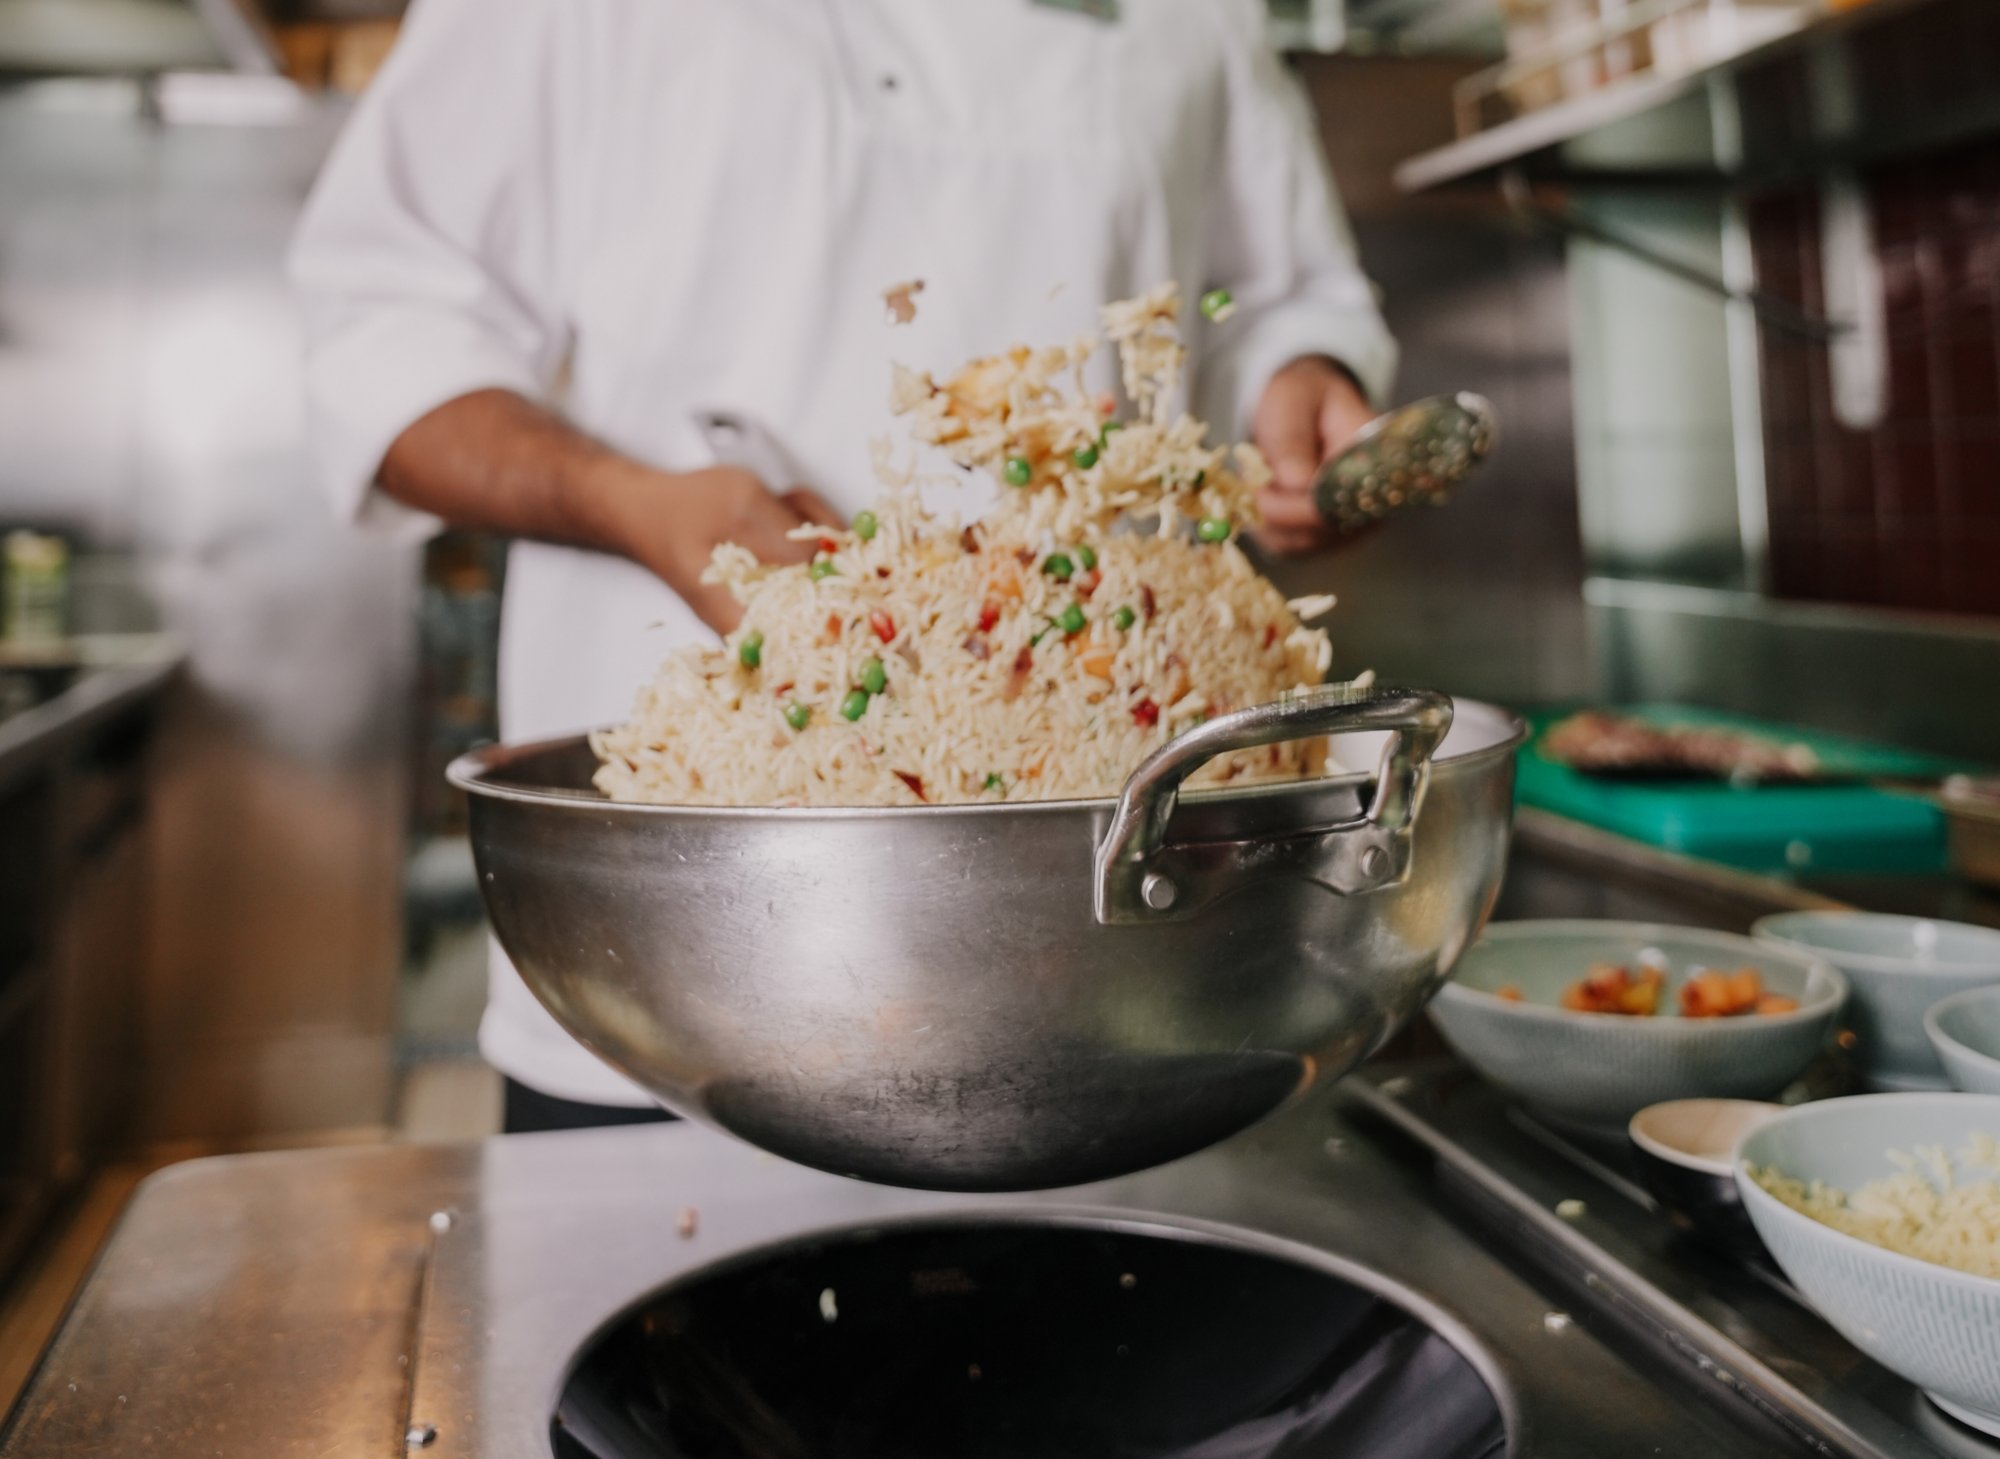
[930, 996]
[1972, 817]
[1565, 50]
[1413, 456]
[34, 574]
[1685, 1153]
[1965, 1031]
[1899, 968]
[1597, 1070]
[1826, 827]
[1930, 1324]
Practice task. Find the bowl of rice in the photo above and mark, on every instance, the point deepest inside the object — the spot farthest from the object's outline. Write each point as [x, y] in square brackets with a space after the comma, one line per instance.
[1965, 1031]
[1012, 853]
[1884, 1212]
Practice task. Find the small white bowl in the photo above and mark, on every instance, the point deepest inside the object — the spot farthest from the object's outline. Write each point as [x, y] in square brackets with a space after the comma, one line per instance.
[1965, 1031]
[1685, 1152]
[1933, 1325]
[1599, 1069]
[1899, 968]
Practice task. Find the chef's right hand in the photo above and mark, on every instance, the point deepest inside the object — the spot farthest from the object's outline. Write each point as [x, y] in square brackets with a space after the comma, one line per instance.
[674, 521]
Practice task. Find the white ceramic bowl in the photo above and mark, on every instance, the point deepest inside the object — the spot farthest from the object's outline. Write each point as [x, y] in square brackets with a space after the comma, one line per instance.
[1965, 1031]
[1600, 1069]
[1898, 967]
[1685, 1153]
[1935, 1326]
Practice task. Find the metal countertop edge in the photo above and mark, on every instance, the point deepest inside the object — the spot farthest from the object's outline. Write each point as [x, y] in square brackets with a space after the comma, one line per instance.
[1629, 1298]
[100, 693]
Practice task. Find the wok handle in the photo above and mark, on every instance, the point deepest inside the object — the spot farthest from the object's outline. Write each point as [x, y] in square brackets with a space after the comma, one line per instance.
[1141, 878]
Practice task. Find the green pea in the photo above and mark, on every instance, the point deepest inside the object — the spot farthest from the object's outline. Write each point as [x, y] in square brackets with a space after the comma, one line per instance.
[994, 782]
[1213, 529]
[1019, 471]
[874, 678]
[1201, 476]
[1087, 555]
[1071, 619]
[750, 652]
[1058, 566]
[797, 715]
[822, 568]
[1217, 302]
[866, 526]
[1123, 620]
[1104, 436]
[1085, 457]
[854, 705]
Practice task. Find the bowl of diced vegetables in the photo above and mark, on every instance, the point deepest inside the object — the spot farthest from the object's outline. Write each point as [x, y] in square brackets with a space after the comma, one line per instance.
[1589, 1022]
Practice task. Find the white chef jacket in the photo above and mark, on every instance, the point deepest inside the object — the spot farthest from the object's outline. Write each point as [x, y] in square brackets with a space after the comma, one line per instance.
[679, 206]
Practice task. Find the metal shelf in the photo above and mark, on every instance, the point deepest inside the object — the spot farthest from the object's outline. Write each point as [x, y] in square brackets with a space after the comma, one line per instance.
[1537, 140]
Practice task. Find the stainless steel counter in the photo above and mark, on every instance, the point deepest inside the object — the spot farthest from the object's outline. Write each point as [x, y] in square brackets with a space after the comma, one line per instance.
[109, 675]
[1562, 868]
[310, 1304]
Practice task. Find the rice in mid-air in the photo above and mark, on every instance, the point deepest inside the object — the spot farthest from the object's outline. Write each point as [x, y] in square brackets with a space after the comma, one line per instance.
[1041, 653]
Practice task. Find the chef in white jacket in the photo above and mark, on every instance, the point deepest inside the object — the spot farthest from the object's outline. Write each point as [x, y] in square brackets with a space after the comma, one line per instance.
[558, 235]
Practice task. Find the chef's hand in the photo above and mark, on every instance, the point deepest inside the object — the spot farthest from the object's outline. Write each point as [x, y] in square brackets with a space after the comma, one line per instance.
[673, 522]
[1310, 410]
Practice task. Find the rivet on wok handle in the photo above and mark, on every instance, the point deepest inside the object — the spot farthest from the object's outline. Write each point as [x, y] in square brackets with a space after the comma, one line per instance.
[1140, 877]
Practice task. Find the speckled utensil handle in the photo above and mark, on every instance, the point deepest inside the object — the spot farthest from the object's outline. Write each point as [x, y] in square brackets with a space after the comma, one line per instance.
[1413, 456]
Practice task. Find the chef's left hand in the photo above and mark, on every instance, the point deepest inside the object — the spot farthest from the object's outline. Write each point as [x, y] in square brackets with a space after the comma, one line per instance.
[1310, 410]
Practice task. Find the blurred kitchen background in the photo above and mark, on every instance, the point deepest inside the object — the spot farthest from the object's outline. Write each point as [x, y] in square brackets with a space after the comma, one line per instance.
[1730, 270]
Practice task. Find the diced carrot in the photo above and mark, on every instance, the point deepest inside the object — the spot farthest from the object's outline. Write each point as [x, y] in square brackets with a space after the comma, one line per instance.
[1745, 988]
[1509, 993]
[1576, 997]
[1098, 663]
[1640, 999]
[1777, 1003]
[1705, 995]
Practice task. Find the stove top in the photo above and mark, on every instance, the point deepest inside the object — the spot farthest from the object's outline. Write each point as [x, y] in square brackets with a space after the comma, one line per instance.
[1379, 1272]
[1330, 1206]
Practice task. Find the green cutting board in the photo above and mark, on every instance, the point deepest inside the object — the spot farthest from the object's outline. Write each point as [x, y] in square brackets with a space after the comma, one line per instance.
[1778, 828]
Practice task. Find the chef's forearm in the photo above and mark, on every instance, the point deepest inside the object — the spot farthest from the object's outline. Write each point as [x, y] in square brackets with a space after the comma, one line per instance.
[494, 461]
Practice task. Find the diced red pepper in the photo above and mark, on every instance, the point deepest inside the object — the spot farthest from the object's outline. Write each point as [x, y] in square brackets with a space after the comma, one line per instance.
[969, 540]
[915, 782]
[989, 614]
[1270, 634]
[828, 546]
[1147, 604]
[1146, 713]
[1086, 583]
[884, 626]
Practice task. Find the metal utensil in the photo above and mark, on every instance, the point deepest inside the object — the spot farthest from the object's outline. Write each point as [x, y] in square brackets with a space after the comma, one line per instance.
[1413, 456]
[988, 997]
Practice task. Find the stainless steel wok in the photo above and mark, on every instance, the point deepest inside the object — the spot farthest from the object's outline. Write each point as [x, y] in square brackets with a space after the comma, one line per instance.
[1007, 997]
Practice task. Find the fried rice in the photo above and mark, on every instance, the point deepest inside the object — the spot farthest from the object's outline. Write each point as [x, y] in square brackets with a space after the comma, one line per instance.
[1041, 653]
